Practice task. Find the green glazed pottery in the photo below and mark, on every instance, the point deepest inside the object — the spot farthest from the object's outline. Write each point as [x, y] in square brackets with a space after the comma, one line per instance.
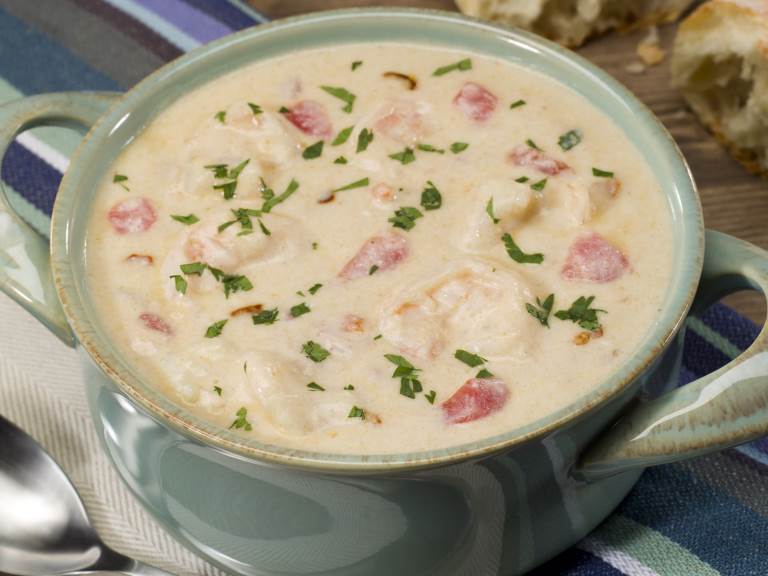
[498, 506]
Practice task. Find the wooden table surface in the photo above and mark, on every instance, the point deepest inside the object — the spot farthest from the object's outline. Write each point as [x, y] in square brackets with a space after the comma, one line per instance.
[734, 201]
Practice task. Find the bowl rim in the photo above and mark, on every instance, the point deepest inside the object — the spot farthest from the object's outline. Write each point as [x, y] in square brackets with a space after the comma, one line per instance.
[173, 416]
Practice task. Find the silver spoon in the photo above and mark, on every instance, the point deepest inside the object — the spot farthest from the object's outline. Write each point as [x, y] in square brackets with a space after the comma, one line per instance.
[44, 529]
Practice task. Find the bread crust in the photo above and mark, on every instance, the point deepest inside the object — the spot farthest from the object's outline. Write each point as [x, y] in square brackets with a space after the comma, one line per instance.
[572, 22]
[720, 63]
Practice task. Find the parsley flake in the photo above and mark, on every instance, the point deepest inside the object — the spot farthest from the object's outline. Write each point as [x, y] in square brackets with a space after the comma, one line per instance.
[484, 373]
[601, 173]
[349, 387]
[517, 254]
[180, 283]
[340, 160]
[372, 270]
[356, 64]
[255, 108]
[275, 200]
[431, 199]
[215, 329]
[431, 396]
[489, 211]
[569, 139]
[188, 219]
[313, 289]
[221, 116]
[405, 217]
[532, 144]
[582, 313]
[410, 385]
[471, 360]
[539, 186]
[313, 151]
[517, 104]
[461, 65]
[342, 136]
[265, 316]
[217, 389]
[121, 179]
[363, 139]
[430, 148]
[342, 94]
[356, 413]
[356, 184]
[458, 147]
[299, 310]
[522, 179]
[404, 157]
[314, 351]
[541, 310]
[193, 268]
[315, 387]
[235, 283]
[377, 337]
[224, 172]
[241, 421]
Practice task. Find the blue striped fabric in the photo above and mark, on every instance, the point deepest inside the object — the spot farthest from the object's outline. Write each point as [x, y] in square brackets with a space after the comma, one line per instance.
[708, 516]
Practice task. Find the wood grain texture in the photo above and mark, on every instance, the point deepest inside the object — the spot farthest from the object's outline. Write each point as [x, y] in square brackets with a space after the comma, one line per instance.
[734, 201]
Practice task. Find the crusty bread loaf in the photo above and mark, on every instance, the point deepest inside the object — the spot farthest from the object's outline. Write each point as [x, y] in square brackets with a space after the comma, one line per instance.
[571, 22]
[720, 63]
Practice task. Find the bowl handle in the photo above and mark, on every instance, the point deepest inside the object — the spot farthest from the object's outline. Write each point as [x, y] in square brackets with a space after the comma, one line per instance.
[720, 410]
[25, 267]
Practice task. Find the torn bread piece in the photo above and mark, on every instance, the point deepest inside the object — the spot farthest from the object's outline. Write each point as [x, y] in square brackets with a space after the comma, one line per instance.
[571, 22]
[720, 62]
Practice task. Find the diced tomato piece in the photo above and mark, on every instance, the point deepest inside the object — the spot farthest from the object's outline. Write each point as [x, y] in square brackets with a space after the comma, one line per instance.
[477, 398]
[384, 252]
[311, 118]
[475, 102]
[524, 155]
[132, 215]
[154, 322]
[593, 259]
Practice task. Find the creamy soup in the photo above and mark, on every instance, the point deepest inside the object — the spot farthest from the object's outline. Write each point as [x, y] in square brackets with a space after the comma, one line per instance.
[372, 249]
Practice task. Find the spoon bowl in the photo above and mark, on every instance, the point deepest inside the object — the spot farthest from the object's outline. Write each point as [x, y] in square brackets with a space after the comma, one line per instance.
[44, 527]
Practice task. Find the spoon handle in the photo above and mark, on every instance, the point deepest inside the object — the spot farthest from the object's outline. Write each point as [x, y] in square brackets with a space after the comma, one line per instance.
[115, 563]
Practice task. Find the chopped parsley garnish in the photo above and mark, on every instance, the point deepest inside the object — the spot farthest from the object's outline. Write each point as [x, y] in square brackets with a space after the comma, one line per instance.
[342, 94]
[121, 179]
[569, 139]
[471, 360]
[342, 136]
[221, 116]
[461, 65]
[243, 217]
[522, 179]
[188, 219]
[532, 144]
[356, 413]
[264, 229]
[539, 186]
[340, 160]
[517, 254]
[313, 289]
[180, 283]
[541, 310]
[377, 337]
[284, 110]
[196, 268]
[299, 310]
[517, 104]
[356, 64]
[372, 270]
[431, 199]
[224, 172]
[215, 329]
[601, 173]
[363, 139]
[356, 184]
[406, 156]
[313, 151]
[265, 316]
[217, 389]
[315, 387]
[235, 283]
[410, 385]
[314, 351]
[489, 211]
[431, 396]
[349, 387]
[241, 421]
[430, 148]
[458, 147]
[582, 313]
[275, 200]
[266, 192]
[255, 108]
[315, 245]
[484, 373]
[405, 217]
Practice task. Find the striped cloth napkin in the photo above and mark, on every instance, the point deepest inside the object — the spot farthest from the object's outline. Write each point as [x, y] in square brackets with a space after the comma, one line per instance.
[703, 517]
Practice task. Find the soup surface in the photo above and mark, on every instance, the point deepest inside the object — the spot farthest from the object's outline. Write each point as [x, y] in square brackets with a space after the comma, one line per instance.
[377, 249]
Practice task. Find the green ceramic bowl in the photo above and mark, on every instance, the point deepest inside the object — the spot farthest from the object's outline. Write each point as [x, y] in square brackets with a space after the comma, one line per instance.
[538, 474]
